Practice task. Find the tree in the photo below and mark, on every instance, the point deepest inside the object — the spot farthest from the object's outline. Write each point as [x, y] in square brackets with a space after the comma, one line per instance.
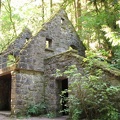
[51, 3]
[43, 11]
[0, 6]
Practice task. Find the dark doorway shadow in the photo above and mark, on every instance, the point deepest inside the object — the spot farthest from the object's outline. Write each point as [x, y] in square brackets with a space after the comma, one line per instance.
[64, 86]
[5, 92]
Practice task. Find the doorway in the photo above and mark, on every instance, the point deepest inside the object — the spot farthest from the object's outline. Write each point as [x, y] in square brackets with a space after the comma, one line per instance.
[5, 92]
[64, 87]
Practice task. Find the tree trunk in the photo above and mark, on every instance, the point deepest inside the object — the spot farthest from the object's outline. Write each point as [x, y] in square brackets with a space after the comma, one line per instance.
[79, 14]
[51, 3]
[43, 11]
[0, 6]
[75, 11]
[11, 20]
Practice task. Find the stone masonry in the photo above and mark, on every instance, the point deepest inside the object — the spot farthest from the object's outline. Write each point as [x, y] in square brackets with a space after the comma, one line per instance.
[27, 69]
[28, 77]
[61, 62]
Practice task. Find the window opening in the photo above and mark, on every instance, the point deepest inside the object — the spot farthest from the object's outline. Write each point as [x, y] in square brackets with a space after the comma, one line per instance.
[27, 39]
[48, 43]
[62, 20]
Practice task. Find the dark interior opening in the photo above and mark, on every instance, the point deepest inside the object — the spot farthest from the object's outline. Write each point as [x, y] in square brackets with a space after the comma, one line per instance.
[48, 43]
[64, 101]
[73, 47]
[62, 20]
[5, 92]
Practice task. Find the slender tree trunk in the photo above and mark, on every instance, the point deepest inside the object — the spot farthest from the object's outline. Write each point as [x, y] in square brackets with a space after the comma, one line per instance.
[75, 11]
[71, 13]
[11, 20]
[79, 14]
[85, 4]
[0, 6]
[51, 3]
[43, 11]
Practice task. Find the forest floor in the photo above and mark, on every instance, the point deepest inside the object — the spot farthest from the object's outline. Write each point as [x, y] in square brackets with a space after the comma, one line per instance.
[2, 117]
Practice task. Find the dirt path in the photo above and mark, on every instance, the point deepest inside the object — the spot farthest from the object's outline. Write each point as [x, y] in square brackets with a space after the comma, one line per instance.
[2, 117]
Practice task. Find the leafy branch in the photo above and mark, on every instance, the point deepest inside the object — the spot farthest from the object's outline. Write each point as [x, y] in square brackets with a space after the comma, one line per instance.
[10, 14]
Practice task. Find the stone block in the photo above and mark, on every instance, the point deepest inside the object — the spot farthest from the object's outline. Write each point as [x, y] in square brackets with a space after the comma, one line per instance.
[22, 65]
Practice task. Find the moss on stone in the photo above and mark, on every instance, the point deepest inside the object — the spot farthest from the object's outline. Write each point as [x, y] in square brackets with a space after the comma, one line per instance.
[99, 64]
[106, 67]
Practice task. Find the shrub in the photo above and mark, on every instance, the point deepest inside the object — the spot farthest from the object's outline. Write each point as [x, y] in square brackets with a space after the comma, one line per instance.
[116, 57]
[37, 109]
[90, 96]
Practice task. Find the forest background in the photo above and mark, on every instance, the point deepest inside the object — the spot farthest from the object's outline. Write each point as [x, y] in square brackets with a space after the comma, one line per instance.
[97, 22]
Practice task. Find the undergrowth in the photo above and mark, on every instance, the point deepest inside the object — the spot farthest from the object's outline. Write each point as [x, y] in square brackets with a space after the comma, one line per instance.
[90, 95]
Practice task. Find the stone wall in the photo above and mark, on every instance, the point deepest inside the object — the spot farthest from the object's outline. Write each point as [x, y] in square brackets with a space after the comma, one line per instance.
[61, 61]
[32, 56]
[20, 41]
[62, 34]
[14, 48]
[29, 90]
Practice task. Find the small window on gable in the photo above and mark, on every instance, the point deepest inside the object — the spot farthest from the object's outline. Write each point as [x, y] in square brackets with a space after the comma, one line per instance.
[62, 20]
[48, 43]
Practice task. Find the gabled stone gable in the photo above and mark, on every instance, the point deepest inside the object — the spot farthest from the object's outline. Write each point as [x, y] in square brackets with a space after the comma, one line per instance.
[14, 48]
[62, 33]
[32, 57]
[30, 52]
[18, 44]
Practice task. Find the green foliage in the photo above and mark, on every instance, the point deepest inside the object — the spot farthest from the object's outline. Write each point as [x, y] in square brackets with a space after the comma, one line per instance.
[100, 25]
[90, 96]
[11, 60]
[50, 115]
[116, 58]
[37, 109]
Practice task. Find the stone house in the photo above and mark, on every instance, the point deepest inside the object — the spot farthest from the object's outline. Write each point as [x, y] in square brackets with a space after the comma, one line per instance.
[28, 64]
[24, 67]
